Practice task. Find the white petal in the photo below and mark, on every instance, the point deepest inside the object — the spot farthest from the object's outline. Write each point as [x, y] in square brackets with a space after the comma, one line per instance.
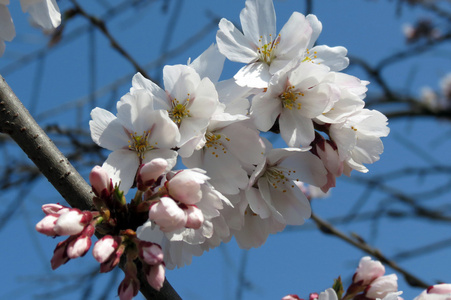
[122, 165]
[258, 20]
[333, 57]
[316, 26]
[306, 167]
[292, 205]
[264, 111]
[256, 203]
[180, 81]
[159, 97]
[294, 37]
[45, 13]
[234, 45]
[255, 75]
[205, 100]
[209, 63]
[296, 129]
[7, 31]
[106, 130]
[135, 110]
[164, 133]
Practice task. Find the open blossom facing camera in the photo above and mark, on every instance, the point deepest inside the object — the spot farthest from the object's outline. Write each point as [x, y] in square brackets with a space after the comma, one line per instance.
[137, 135]
[266, 52]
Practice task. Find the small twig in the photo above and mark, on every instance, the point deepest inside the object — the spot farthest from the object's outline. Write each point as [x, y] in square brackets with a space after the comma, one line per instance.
[100, 24]
[358, 243]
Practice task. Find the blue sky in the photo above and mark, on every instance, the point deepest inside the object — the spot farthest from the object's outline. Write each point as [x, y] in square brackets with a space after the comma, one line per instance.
[301, 260]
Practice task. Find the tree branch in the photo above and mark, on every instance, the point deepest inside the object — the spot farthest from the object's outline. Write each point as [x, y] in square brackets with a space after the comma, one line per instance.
[16, 121]
[360, 244]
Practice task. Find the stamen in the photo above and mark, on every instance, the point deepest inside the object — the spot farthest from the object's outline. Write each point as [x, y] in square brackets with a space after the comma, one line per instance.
[289, 98]
[140, 143]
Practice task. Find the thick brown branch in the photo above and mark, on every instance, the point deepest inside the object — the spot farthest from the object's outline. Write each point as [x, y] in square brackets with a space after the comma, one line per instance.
[16, 121]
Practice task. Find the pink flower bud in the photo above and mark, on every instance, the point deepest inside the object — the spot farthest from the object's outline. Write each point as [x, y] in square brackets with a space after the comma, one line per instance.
[167, 214]
[291, 297]
[128, 288]
[114, 259]
[47, 225]
[59, 255]
[155, 276]
[195, 217]
[72, 222]
[442, 289]
[436, 292]
[102, 185]
[367, 271]
[382, 286]
[104, 248]
[150, 172]
[79, 246]
[183, 187]
[313, 296]
[150, 253]
[52, 208]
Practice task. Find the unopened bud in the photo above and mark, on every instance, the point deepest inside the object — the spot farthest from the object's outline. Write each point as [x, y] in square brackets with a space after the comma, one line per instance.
[150, 253]
[53, 208]
[102, 185]
[104, 248]
[167, 214]
[184, 188]
[59, 255]
[79, 246]
[47, 225]
[72, 222]
[149, 173]
[382, 286]
[367, 271]
[155, 276]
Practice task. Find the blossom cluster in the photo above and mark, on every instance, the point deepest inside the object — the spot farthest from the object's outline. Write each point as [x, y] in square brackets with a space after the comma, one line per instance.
[368, 282]
[236, 182]
[44, 14]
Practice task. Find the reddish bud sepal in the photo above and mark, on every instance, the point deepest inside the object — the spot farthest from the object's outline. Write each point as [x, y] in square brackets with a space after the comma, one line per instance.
[59, 255]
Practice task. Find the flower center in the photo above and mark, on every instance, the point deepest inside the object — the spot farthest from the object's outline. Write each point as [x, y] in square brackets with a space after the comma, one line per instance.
[310, 56]
[289, 98]
[267, 51]
[214, 143]
[278, 179]
[140, 143]
[179, 110]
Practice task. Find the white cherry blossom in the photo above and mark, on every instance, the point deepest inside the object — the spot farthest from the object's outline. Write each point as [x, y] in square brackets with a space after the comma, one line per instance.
[189, 100]
[358, 139]
[258, 46]
[295, 98]
[137, 135]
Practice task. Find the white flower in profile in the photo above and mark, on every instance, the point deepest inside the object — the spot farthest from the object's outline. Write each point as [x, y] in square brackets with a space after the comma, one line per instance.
[136, 136]
[358, 139]
[7, 31]
[258, 46]
[44, 13]
[296, 98]
[189, 100]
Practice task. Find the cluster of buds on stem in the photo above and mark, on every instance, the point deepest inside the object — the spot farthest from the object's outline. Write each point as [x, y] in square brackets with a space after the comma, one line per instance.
[78, 225]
